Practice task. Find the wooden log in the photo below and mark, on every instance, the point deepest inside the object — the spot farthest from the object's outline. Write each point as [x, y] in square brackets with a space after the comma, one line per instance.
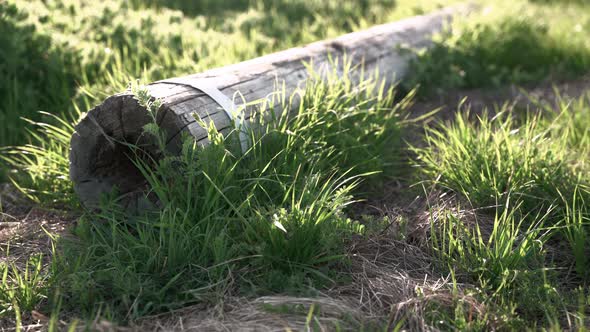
[99, 158]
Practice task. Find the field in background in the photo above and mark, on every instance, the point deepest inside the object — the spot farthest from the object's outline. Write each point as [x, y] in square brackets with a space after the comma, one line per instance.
[353, 222]
[59, 55]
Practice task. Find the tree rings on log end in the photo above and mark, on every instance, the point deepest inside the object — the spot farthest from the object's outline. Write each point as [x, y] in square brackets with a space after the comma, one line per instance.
[100, 153]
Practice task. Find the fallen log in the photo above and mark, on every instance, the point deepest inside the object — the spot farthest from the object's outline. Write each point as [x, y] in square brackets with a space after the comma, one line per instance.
[99, 158]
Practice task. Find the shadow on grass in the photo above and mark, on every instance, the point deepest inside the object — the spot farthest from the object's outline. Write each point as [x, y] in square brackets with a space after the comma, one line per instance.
[281, 19]
[36, 75]
[512, 51]
[295, 10]
[197, 7]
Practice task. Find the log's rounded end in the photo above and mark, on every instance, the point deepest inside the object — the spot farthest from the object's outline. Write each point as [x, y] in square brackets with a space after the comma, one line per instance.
[101, 153]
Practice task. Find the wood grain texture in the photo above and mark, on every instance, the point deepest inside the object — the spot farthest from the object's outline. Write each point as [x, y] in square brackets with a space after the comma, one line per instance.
[99, 157]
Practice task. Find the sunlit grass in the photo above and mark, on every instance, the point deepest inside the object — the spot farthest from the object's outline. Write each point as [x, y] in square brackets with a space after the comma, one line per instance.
[508, 42]
[275, 214]
[275, 218]
[493, 159]
[523, 177]
[56, 49]
[22, 289]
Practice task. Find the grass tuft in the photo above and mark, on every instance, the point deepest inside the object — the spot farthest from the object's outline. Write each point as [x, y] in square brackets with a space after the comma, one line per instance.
[524, 178]
[270, 219]
[489, 160]
[22, 288]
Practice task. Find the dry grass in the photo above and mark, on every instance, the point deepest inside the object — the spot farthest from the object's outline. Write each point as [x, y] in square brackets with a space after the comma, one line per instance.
[391, 280]
[24, 228]
[393, 274]
[26, 231]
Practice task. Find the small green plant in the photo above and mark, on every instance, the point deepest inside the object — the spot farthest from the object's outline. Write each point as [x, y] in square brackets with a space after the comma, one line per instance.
[505, 258]
[21, 289]
[459, 315]
[494, 258]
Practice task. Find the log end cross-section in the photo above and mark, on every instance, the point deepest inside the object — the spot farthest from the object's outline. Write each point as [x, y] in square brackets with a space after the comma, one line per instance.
[99, 156]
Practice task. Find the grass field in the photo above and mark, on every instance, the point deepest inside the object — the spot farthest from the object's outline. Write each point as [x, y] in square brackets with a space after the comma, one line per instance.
[340, 216]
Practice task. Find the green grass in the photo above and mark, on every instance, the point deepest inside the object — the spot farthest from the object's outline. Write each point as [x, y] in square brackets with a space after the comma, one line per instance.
[510, 42]
[275, 214]
[56, 52]
[22, 289]
[276, 219]
[530, 184]
[26, 287]
[492, 160]
[40, 169]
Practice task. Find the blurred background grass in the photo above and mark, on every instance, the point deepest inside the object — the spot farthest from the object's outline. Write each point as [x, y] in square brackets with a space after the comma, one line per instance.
[61, 56]
[509, 42]
[54, 51]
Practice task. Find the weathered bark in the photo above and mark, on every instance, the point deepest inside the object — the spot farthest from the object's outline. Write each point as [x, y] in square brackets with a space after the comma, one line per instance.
[99, 159]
